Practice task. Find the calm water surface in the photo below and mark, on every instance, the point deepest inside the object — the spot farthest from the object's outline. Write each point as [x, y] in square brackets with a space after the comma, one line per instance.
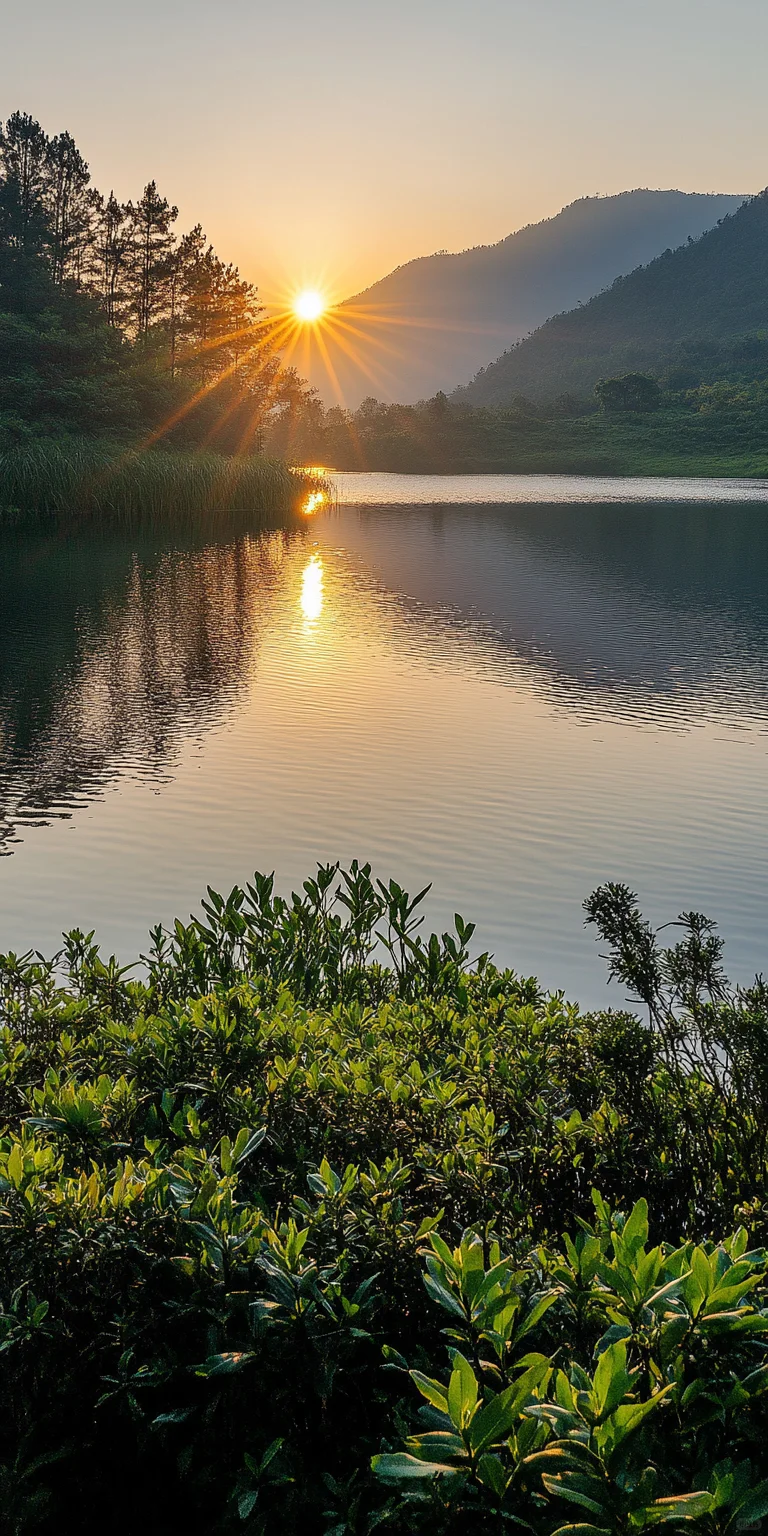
[516, 687]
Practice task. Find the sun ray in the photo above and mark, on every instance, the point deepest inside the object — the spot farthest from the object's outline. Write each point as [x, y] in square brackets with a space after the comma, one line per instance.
[342, 336]
[366, 366]
[329, 365]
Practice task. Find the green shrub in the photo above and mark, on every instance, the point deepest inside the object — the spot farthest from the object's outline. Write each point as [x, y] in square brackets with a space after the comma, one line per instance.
[307, 1168]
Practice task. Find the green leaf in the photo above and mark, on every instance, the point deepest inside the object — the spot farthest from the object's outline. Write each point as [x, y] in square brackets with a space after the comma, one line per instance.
[635, 1230]
[726, 1297]
[499, 1272]
[753, 1508]
[735, 1322]
[626, 1419]
[400, 1467]
[176, 1416]
[226, 1364]
[582, 1530]
[462, 1392]
[566, 1455]
[578, 1488]
[270, 1453]
[738, 1243]
[497, 1418]
[428, 1224]
[444, 1297]
[612, 1335]
[443, 1252]
[535, 1314]
[683, 1506]
[437, 1445]
[664, 1292]
[612, 1380]
[246, 1144]
[701, 1270]
[491, 1472]
[756, 1382]
[433, 1391]
[672, 1335]
[647, 1270]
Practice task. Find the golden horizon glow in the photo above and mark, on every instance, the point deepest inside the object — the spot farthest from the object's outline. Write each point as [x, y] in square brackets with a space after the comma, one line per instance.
[309, 305]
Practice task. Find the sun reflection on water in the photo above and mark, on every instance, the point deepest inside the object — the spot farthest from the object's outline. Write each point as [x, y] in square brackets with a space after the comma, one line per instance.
[314, 500]
[311, 600]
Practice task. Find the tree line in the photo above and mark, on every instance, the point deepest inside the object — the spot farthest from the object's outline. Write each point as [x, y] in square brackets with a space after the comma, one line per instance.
[173, 305]
[632, 424]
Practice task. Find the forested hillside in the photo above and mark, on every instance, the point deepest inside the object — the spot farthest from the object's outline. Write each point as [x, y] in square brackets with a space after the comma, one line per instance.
[432, 322]
[111, 322]
[696, 314]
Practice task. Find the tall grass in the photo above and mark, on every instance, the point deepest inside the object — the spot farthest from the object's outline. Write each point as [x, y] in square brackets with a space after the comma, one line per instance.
[86, 481]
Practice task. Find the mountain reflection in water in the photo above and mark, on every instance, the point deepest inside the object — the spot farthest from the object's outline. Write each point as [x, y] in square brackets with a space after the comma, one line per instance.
[517, 701]
[657, 613]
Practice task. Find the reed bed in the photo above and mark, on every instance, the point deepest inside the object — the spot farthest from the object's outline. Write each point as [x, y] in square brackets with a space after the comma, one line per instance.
[104, 484]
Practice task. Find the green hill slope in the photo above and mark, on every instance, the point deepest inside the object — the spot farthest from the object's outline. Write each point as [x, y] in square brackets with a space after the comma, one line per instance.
[432, 322]
[702, 308]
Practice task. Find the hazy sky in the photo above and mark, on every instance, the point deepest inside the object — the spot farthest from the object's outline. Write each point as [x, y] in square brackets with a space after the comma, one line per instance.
[325, 141]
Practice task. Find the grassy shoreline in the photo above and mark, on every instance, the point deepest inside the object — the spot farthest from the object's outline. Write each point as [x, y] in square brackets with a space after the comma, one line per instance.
[718, 438]
[87, 482]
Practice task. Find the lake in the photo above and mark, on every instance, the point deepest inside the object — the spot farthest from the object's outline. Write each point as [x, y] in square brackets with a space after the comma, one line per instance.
[513, 686]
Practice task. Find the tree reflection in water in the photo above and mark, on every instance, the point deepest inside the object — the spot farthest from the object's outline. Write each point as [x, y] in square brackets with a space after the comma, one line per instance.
[111, 653]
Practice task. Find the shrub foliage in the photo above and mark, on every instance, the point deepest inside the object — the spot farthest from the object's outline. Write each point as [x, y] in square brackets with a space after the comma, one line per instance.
[317, 1225]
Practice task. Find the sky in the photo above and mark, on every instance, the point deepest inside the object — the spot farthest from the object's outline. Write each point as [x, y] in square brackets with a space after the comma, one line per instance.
[323, 142]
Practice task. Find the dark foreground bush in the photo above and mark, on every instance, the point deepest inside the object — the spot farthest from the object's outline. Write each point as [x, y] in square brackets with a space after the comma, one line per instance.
[280, 1231]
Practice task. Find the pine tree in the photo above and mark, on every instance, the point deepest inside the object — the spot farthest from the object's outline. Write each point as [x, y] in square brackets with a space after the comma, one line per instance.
[69, 206]
[23, 157]
[181, 266]
[113, 248]
[153, 246]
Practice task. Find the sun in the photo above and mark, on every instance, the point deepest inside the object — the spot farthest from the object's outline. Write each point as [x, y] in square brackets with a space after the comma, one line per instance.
[308, 305]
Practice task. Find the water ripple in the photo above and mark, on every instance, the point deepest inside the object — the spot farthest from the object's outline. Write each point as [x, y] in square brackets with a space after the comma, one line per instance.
[515, 701]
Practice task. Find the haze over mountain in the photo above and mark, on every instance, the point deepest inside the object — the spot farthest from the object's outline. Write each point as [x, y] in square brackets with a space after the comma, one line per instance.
[431, 323]
[701, 310]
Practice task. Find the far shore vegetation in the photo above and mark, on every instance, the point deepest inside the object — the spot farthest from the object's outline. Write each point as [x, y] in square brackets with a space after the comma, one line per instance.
[315, 1225]
[671, 428]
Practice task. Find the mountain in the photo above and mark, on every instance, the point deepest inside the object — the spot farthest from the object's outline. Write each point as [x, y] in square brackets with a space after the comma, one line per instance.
[431, 323]
[700, 312]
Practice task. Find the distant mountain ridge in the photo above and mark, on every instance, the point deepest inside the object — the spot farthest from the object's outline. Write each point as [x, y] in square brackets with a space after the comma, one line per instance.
[701, 309]
[431, 323]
